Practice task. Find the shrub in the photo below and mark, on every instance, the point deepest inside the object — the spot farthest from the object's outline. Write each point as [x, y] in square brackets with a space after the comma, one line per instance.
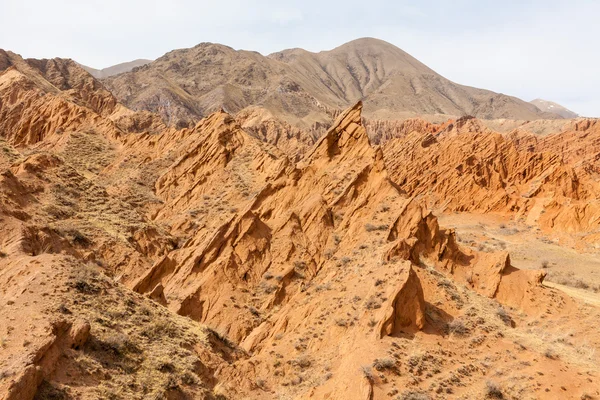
[414, 395]
[551, 354]
[171, 383]
[118, 344]
[254, 311]
[504, 315]
[159, 328]
[84, 287]
[268, 288]
[220, 337]
[372, 304]
[384, 363]
[458, 327]
[302, 362]
[268, 275]
[493, 391]
[165, 367]
[366, 370]
[370, 227]
[300, 265]
[80, 239]
[581, 284]
[345, 260]
[341, 322]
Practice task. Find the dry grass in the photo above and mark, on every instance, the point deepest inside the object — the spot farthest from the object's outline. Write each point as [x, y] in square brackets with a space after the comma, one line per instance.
[571, 279]
[493, 391]
[148, 351]
[458, 327]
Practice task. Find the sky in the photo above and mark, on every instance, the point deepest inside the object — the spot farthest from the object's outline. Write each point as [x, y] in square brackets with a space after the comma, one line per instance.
[528, 48]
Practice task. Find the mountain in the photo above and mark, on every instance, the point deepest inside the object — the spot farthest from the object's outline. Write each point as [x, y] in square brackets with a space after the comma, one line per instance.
[554, 108]
[115, 69]
[305, 88]
[143, 261]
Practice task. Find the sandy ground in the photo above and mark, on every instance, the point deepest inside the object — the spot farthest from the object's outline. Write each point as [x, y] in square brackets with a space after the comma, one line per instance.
[529, 248]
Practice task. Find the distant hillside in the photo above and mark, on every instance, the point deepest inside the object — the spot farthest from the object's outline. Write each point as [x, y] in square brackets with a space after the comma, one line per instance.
[306, 88]
[115, 69]
[554, 108]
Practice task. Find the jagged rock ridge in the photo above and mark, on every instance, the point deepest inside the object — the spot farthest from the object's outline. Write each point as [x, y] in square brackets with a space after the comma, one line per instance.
[320, 278]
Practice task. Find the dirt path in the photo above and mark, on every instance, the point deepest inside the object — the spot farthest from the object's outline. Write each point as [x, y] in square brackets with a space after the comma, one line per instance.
[584, 295]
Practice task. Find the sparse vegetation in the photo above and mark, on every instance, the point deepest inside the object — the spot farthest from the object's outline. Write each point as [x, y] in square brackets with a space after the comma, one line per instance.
[341, 322]
[550, 353]
[414, 395]
[85, 287]
[570, 279]
[118, 344]
[372, 304]
[458, 327]
[493, 391]
[381, 364]
[302, 362]
[370, 227]
[300, 265]
[254, 311]
[268, 288]
[345, 261]
[367, 372]
[160, 210]
[159, 328]
[503, 315]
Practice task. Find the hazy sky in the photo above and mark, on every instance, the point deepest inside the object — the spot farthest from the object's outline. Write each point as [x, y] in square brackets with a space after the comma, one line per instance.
[526, 48]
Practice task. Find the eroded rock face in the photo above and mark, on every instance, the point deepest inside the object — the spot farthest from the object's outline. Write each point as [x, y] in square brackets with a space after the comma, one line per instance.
[467, 167]
[44, 359]
[405, 310]
[314, 274]
[29, 114]
[305, 215]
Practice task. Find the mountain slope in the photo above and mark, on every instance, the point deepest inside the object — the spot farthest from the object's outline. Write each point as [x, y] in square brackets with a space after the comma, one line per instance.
[305, 88]
[554, 108]
[203, 263]
[390, 81]
[115, 69]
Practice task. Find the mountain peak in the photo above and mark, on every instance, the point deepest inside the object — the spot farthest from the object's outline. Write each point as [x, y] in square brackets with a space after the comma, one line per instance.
[115, 69]
[307, 89]
[554, 108]
[347, 137]
[368, 42]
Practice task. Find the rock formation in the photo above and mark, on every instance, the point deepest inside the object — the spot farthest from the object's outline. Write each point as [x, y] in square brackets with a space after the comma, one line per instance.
[138, 259]
[545, 180]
